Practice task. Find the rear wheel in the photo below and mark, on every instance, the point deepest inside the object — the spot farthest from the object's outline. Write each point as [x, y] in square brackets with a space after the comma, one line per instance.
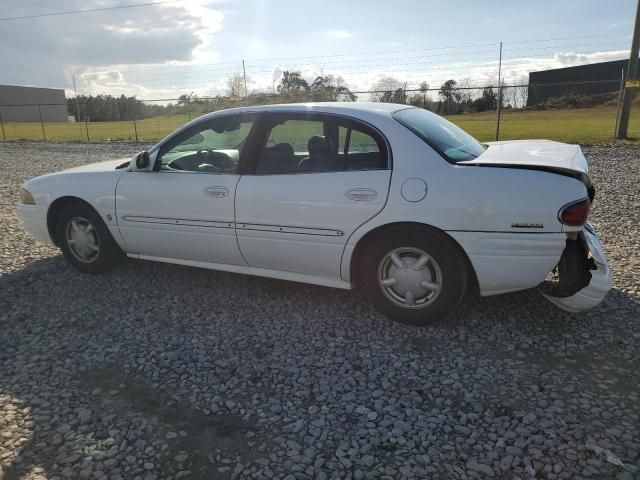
[413, 275]
[85, 240]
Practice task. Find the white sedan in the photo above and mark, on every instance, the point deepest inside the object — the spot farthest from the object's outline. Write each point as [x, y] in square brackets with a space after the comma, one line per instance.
[391, 199]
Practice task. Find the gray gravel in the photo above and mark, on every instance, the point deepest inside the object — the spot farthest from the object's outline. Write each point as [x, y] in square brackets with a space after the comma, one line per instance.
[157, 371]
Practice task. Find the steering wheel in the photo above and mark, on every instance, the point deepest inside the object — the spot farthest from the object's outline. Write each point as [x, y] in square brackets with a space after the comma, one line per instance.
[202, 159]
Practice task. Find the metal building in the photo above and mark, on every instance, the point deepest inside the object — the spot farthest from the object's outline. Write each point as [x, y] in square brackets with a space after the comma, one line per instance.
[589, 79]
[32, 104]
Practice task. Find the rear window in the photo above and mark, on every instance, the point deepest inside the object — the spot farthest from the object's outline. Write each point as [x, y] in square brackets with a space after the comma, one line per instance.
[450, 141]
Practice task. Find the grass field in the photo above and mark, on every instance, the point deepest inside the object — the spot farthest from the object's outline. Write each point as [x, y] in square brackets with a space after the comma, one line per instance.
[584, 125]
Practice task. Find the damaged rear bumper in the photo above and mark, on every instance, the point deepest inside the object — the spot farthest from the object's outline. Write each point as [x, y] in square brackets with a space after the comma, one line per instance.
[600, 280]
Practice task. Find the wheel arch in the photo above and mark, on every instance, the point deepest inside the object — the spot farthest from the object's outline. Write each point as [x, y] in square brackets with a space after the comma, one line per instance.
[372, 234]
[56, 208]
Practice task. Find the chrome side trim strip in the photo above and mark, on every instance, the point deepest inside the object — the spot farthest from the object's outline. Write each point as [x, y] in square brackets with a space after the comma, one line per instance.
[324, 232]
[178, 221]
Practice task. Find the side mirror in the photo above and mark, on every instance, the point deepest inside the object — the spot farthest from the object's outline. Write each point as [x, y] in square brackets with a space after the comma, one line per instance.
[142, 160]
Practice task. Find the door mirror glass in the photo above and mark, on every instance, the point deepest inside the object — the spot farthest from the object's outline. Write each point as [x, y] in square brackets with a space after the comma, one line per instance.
[140, 161]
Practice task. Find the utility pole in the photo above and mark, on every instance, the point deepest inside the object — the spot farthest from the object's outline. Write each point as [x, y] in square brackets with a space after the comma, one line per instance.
[4, 138]
[500, 94]
[189, 105]
[75, 92]
[632, 74]
[244, 73]
[44, 135]
[615, 129]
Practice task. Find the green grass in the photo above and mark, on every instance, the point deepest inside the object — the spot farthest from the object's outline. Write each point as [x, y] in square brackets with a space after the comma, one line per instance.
[584, 125]
[580, 125]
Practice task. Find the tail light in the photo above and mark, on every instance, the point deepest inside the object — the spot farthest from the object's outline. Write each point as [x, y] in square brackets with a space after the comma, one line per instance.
[575, 214]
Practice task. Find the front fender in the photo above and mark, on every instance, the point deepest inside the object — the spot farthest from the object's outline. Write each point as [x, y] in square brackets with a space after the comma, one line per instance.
[97, 189]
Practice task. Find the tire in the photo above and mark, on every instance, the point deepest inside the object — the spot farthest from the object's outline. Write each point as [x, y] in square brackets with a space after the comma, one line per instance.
[85, 240]
[415, 296]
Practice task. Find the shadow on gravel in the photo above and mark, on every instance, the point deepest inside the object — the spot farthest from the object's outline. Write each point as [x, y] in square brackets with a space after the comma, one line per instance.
[196, 435]
[190, 433]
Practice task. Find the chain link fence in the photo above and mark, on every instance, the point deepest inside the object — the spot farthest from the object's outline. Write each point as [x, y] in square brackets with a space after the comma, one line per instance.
[569, 112]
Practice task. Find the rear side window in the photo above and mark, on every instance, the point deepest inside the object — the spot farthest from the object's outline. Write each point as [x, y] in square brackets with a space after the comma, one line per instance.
[319, 143]
[450, 141]
[358, 150]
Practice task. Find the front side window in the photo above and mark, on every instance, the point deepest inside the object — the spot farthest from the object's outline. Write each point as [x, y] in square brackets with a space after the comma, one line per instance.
[213, 146]
[325, 144]
[453, 143]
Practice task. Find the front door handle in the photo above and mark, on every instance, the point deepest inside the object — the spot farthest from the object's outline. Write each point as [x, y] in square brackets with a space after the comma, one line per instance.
[361, 194]
[216, 192]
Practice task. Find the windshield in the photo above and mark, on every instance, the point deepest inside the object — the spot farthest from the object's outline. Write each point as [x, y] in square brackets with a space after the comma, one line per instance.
[450, 141]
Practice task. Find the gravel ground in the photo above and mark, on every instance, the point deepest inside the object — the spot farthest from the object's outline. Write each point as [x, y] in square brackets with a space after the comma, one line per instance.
[159, 371]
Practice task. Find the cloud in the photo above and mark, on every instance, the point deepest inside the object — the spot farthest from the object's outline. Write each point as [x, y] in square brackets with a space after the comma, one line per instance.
[339, 34]
[167, 50]
[47, 51]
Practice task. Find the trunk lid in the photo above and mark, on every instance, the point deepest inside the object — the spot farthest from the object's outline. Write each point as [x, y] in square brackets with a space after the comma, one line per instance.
[534, 154]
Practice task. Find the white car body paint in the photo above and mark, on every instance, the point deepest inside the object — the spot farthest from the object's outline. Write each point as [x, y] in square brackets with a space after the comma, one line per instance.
[305, 227]
[316, 202]
[94, 183]
[174, 215]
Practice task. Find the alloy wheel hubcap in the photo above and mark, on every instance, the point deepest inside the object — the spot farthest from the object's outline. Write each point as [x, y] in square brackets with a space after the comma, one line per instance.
[82, 239]
[410, 277]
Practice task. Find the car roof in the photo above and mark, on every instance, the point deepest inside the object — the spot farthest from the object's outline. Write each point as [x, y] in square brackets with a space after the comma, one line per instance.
[360, 110]
[348, 108]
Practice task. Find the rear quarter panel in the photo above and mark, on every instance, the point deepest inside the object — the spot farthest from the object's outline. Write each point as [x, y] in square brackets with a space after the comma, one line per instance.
[470, 199]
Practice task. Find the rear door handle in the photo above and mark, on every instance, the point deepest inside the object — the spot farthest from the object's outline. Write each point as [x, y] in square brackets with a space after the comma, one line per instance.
[216, 192]
[361, 194]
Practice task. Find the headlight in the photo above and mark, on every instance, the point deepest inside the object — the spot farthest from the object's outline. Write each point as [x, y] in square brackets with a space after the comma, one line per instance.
[26, 197]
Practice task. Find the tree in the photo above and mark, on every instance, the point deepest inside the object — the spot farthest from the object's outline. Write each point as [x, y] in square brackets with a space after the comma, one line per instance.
[451, 98]
[507, 96]
[235, 85]
[487, 101]
[383, 90]
[329, 88]
[521, 95]
[292, 83]
[448, 92]
[420, 98]
[466, 92]
[107, 107]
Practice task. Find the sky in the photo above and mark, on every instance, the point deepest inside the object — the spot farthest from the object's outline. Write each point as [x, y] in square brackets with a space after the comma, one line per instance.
[163, 51]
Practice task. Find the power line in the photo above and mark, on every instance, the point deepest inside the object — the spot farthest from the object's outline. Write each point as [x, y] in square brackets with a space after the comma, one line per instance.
[431, 48]
[19, 7]
[89, 10]
[194, 71]
[385, 52]
[571, 38]
[435, 70]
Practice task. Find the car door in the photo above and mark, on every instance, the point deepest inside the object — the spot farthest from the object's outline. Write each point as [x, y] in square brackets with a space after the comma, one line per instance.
[184, 209]
[312, 180]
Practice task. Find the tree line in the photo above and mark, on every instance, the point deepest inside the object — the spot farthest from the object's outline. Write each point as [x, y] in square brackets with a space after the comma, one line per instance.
[451, 97]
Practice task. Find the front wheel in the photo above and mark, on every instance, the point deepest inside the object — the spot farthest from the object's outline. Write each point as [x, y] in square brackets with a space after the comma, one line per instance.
[85, 241]
[412, 275]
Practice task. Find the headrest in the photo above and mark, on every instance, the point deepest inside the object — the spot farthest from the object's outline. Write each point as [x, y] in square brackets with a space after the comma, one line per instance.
[284, 149]
[317, 145]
